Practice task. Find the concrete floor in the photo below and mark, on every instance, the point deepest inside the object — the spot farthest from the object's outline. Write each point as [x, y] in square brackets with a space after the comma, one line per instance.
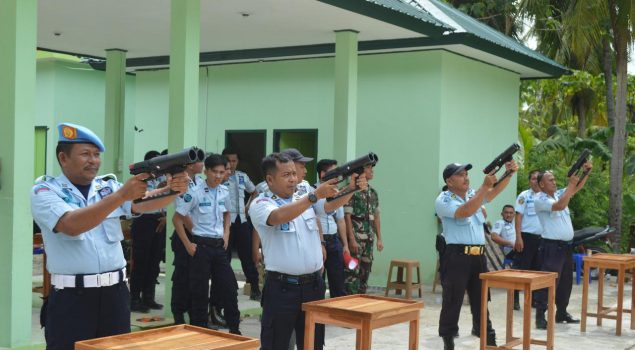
[396, 337]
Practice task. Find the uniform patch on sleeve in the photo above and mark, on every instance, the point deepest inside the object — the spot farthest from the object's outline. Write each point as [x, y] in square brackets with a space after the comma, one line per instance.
[105, 192]
[521, 200]
[187, 198]
[40, 188]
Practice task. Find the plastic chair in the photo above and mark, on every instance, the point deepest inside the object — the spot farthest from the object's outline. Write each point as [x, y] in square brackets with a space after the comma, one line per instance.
[577, 260]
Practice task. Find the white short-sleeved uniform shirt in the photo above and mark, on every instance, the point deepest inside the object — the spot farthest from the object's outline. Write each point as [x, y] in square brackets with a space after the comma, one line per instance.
[205, 205]
[97, 250]
[525, 205]
[237, 184]
[460, 231]
[507, 231]
[555, 224]
[293, 247]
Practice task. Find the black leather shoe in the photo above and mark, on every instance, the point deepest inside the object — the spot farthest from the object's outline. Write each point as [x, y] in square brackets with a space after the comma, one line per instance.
[448, 343]
[255, 293]
[541, 322]
[137, 306]
[235, 331]
[565, 317]
[217, 318]
[153, 305]
[516, 306]
[179, 319]
[213, 327]
[491, 338]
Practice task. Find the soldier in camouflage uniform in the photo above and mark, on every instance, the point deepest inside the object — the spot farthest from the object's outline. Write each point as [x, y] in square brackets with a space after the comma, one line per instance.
[362, 227]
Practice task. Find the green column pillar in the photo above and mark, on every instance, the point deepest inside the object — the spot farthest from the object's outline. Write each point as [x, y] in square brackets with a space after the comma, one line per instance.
[114, 135]
[345, 113]
[184, 91]
[18, 42]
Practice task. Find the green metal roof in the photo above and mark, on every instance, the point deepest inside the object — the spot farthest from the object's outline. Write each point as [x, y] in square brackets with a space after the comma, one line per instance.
[483, 31]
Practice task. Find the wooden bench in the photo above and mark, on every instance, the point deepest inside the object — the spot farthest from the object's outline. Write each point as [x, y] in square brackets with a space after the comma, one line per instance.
[603, 261]
[526, 281]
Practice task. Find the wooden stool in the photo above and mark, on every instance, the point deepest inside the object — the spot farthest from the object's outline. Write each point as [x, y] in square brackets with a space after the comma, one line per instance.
[621, 263]
[527, 281]
[364, 313]
[174, 337]
[46, 276]
[400, 284]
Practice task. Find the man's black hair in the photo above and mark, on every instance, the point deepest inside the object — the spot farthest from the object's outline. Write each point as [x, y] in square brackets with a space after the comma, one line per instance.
[508, 206]
[543, 173]
[64, 147]
[151, 154]
[531, 173]
[324, 164]
[164, 152]
[269, 164]
[214, 160]
[229, 150]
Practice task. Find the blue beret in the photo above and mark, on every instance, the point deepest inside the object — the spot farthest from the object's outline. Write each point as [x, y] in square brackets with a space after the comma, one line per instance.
[73, 133]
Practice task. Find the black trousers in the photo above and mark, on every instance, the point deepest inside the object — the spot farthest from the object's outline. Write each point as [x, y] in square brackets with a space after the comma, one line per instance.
[334, 266]
[212, 261]
[529, 259]
[181, 300]
[240, 239]
[460, 272]
[557, 257]
[74, 314]
[282, 313]
[147, 252]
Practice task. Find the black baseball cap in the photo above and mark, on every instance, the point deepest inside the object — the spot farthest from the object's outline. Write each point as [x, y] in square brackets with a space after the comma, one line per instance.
[296, 156]
[454, 168]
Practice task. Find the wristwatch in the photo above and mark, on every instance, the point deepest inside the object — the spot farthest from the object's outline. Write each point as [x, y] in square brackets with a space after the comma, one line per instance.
[312, 197]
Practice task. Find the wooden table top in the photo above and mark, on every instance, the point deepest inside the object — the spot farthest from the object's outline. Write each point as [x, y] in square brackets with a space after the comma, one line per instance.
[364, 306]
[621, 258]
[175, 337]
[518, 276]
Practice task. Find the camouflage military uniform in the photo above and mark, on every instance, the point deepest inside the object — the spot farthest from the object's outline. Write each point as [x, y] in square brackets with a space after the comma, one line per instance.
[362, 208]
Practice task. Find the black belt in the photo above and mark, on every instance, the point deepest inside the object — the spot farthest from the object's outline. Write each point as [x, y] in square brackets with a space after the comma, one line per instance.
[208, 241]
[294, 279]
[467, 249]
[558, 242]
[330, 237]
[530, 235]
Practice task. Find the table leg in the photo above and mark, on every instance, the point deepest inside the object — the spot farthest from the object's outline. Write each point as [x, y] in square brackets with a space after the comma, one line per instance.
[358, 339]
[483, 313]
[413, 341]
[600, 295]
[551, 316]
[309, 330]
[509, 320]
[585, 297]
[366, 336]
[633, 298]
[620, 300]
[399, 279]
[527, 319]
[409, 283]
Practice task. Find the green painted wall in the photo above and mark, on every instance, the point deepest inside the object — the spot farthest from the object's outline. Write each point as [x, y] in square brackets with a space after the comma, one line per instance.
[72, 92]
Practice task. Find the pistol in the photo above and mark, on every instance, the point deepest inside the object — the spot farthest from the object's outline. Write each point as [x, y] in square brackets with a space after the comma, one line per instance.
[500, 161]
[584, 157]
[167, 164]
[355, 166]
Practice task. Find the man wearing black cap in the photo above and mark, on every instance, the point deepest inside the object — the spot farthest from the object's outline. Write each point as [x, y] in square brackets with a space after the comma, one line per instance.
[459, 209]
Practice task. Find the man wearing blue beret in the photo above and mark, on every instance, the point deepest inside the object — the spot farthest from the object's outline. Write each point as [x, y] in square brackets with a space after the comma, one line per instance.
[79, 214]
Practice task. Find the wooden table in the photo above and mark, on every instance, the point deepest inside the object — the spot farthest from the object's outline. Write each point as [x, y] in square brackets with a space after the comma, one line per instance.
[174, 337]
[46, 277]
[527, 281]
[603, 261]
[364, 313]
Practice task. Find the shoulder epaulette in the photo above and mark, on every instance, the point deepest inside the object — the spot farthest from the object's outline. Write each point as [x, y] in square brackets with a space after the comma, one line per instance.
[107, 177]
[43, 178]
